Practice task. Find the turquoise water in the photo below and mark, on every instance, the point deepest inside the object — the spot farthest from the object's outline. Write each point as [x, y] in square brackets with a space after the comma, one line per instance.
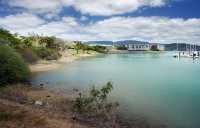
[153, 85]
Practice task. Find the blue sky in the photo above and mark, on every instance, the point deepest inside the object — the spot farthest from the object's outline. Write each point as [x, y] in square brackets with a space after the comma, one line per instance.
[151, 20]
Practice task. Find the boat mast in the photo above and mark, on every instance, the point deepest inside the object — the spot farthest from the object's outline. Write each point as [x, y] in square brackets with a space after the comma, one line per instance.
[177, 45]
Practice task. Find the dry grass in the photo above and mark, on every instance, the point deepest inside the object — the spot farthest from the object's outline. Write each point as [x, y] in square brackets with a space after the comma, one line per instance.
[16, 93]
[17, 117]
[55, 113]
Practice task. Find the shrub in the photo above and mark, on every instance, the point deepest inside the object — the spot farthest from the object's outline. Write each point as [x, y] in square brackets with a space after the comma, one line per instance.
[96, 104]
[28, 55]
[12, 66]
[48, 54]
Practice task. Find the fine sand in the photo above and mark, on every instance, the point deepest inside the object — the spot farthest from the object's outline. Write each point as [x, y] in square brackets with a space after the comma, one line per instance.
[67, 57]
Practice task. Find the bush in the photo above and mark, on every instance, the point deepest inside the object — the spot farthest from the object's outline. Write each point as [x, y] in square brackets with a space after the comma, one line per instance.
[12, 66]
[28, 55]
[48, 54]
[96, 104]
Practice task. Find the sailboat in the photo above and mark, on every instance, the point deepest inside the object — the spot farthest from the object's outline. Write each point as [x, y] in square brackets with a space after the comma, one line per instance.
[192, 53]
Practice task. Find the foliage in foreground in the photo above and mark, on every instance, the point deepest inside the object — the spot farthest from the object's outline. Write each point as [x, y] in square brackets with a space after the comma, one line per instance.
[95, 104]
[12, 66]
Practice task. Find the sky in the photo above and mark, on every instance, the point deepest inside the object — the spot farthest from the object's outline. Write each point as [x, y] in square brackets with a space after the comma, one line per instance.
[159, 21]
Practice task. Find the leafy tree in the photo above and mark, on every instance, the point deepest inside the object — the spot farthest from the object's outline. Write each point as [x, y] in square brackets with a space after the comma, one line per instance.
[7, 38]
[78, 46]
[48, 42]
[27, 41]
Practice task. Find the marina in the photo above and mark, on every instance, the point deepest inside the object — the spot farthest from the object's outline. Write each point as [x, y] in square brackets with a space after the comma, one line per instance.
[192, 52]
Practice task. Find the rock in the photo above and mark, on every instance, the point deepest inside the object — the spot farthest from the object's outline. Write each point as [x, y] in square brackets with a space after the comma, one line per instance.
[48, 96]
[38, 103]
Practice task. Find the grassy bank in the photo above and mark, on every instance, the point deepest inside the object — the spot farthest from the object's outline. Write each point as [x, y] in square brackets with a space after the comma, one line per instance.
[18, 109]
[26, 106]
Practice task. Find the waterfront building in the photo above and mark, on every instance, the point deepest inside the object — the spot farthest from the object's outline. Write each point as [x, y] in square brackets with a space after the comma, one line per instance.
[138, 47]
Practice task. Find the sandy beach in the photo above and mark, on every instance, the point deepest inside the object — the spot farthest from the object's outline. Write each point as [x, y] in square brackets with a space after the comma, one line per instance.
[67, 57]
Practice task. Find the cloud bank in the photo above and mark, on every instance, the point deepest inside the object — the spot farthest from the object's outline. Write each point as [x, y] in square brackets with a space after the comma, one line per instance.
[113, 28]
[90, 7]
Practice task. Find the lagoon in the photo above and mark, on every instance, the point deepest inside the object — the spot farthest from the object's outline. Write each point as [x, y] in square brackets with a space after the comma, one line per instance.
[155, 86]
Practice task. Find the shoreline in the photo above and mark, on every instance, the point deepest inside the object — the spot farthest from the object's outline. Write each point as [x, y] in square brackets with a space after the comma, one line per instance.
[67, 57]
[54, 101]
[43, 91]
[55, 107]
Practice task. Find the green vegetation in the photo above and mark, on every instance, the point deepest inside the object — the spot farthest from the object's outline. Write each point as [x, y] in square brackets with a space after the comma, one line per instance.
[121, 47]
[47, 53]
[95, 104]
[7, 38]
[16, 51]
[29, 55]
[12, 66]
[86, 48]
[35, 47]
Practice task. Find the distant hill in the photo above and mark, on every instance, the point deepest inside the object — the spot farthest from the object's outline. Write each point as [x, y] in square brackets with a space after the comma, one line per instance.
[122, 42]
[100, 42]
[125, 42]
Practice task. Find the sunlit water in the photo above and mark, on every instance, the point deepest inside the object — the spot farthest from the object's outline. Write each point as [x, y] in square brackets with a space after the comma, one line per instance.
[153, 85]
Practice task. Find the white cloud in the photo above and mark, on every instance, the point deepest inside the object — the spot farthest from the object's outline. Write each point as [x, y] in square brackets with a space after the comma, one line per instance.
[147, 28]
[91, 7]
[20, 21]
[116, 28]
[38, 6]
[83, 18]
[111, 7]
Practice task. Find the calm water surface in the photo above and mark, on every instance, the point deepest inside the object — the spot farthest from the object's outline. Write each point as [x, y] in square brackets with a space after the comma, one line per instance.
[154, 85]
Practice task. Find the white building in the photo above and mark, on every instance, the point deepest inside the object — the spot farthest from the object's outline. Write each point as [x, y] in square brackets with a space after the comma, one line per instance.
[139, 47]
